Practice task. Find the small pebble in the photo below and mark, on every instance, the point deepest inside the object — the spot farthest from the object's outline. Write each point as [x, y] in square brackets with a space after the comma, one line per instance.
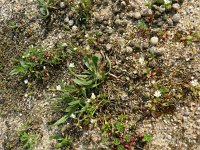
[108, 46]
[137, 15]
[176, 18]
[154, 40]
[71, 22]
[66, 19]
[124, 96]
[176, 6]
[62, 4]
[74, 28]
[129, 49]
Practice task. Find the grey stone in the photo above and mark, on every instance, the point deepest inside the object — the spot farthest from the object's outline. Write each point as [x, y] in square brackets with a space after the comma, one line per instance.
[129, 49]
[170, 22]
[176, 6]
[176, 18]
[124, 96]
[161, 9]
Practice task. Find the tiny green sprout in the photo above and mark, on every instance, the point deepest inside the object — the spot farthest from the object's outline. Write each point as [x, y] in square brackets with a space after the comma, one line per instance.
[119, 126]
[62, 141]
[28, 140]
[121, 147]
[116, 141]
[45, 6]
[147, 138]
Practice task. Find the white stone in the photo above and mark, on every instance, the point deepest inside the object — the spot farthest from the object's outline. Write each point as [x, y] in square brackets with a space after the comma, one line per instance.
[137, 15]
[154, 40]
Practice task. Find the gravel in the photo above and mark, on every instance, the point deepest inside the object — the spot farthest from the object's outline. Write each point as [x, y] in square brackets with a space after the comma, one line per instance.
[174, 60]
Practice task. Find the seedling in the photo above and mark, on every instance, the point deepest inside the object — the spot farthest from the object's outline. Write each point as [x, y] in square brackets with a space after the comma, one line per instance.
[147, 138]
[28, 140]
[62, 141]
[45, 6]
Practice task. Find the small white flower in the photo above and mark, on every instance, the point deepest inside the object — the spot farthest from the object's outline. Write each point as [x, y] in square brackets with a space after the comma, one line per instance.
[194, 82]
[44, 67]
[23, 57]
[93, 120]
[88, 100]
[73, 116]
[58, 87]
[157, 93]
[26, 95]
[141, 60]
[71, 65]
[93, 96]
[26, 81]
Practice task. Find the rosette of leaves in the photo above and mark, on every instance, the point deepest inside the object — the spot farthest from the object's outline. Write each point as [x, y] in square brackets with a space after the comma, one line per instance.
[94, 73]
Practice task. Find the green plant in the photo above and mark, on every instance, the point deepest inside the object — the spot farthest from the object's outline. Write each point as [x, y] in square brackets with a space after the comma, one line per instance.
[147, 138]
[74, 101]
[28, 140]
[84, 11]
[142, 25]
[75, 104]
[94, 74]
[35, 60]
[45, 6]
[62, 141]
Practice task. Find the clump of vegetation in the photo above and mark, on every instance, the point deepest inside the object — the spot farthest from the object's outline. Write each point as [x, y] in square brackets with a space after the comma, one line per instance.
[117, 131]
[62, 142]
[84, 11]
[27, 139]
[73, 100]
[147, 138]
[35, 60]
[45, 6]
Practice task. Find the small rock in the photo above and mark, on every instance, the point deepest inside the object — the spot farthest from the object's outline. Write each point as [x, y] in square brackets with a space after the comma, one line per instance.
[71, 22]
[108, 46]
[176, 18]
[74, 28]
[198, 121]
[98, 17]
[137, 15]
[147, 12]
[186, 114]
[124, 96]
[62, 4]
[66, 19]
[176, 6]
[123, 3]
[161, 9]
[154, 40]
[170, 22]
[129, 49]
